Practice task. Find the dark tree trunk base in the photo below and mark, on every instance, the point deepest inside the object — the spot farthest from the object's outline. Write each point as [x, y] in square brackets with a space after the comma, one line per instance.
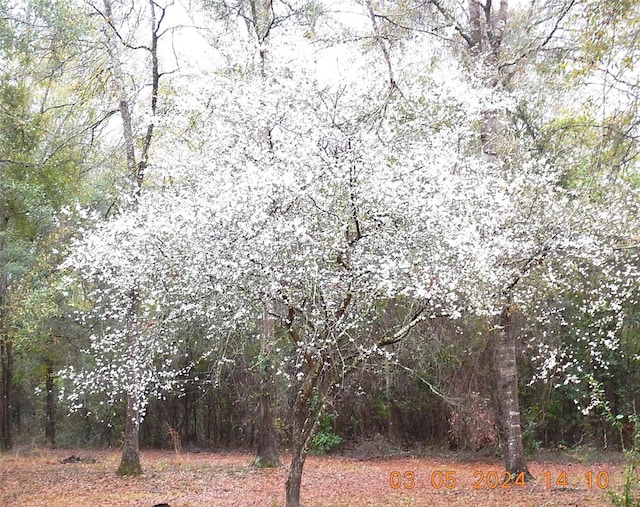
[130, 464]
[6, 395]
[267, 454]
[129, 468]
[507, 397]
[267, 462]
[50, 407]
[295, 479]
[513, 476]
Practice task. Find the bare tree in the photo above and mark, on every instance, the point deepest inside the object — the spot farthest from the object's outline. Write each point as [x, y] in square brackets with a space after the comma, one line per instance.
[136, 167]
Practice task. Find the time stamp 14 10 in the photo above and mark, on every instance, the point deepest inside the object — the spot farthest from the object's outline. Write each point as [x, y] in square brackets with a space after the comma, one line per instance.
[448, 479]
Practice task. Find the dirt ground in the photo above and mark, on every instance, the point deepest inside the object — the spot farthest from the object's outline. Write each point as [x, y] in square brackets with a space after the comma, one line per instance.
[39, 478]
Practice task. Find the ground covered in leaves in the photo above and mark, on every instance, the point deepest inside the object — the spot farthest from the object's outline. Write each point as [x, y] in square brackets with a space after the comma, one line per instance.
[81, 478]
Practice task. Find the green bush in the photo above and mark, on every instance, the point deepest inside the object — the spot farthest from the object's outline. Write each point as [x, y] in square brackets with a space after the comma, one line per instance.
[325, 440]
[629, 496]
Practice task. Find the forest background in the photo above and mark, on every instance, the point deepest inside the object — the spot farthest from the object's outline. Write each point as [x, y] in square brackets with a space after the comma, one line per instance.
[301, 225]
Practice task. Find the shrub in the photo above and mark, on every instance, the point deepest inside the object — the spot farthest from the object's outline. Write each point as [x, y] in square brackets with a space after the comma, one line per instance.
[326, 439]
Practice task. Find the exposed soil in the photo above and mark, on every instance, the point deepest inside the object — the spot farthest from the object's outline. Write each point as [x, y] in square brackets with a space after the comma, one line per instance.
[40, 478]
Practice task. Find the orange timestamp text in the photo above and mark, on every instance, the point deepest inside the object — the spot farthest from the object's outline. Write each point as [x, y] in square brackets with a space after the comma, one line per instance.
[448, 479]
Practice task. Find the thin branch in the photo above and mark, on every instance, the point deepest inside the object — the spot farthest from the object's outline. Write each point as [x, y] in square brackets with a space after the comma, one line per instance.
[383, 46]
[404, 330]
[451, 19]
[455, 402]
[546, 41]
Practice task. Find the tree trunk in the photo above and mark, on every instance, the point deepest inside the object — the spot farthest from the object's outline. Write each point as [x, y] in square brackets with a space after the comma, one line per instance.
[6, 357]
[267, 455]
[393, 413]
[50, 406]
[267, 439]
[486, 31]
[6, 380]
[6, 364]
[507, 396]
[305, 421]
[130, 463]
[307, 410]
[294, 479]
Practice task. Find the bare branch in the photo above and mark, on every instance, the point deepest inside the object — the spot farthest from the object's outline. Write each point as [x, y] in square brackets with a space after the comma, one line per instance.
[404, 330]
[381, 43]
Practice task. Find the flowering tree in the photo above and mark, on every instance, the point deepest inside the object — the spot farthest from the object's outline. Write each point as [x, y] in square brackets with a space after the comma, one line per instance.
[524, 214]
[314, 201]
[119, 302]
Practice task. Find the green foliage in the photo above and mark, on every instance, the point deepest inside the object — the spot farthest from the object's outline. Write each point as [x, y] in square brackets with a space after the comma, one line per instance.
[610, 26]
[325, 439]
[629, 496]
[530, 439]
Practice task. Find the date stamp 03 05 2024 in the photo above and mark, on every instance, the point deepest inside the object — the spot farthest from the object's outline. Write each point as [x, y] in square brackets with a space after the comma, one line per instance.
[448, 479]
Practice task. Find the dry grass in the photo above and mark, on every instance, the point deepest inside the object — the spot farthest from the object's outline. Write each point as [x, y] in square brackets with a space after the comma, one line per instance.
[38, 478]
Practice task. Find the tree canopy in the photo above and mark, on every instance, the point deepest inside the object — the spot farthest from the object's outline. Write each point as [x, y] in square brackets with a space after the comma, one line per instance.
[328, 194]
